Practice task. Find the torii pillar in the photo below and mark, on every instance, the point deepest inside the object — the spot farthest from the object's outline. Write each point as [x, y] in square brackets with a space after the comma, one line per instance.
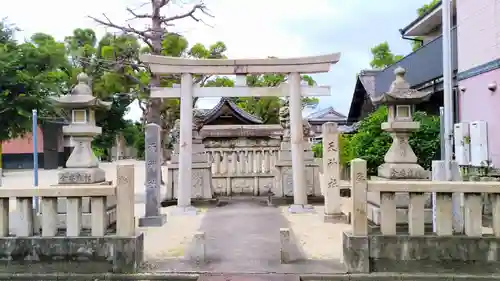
[297, 146]
[292, 67]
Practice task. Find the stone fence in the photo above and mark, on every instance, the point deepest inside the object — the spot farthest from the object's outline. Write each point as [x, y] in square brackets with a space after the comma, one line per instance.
[417, 249]
[48, 238]
[242, 170]
[243, 160]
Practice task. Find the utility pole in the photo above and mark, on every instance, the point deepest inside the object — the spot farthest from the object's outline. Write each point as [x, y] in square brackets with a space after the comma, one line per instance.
[447, 87]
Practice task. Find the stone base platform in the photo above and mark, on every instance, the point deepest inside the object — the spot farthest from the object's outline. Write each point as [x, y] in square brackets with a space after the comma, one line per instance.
[71, 255]
[184, 211]
[394, 171]
[337, 218]
[422, 254]
[188, 276]
[81, 176]
[250, 277]
[300, 209]
[195, 202]
[153, 221]
[288, 200]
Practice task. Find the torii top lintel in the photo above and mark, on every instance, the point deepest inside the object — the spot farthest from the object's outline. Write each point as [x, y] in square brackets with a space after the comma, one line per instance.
[171, 65]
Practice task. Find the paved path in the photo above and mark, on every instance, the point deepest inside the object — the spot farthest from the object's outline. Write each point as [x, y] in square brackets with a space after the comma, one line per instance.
[243, 237]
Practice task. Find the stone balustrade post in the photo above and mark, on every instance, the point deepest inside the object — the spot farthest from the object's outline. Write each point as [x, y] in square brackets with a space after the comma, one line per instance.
[125, 200]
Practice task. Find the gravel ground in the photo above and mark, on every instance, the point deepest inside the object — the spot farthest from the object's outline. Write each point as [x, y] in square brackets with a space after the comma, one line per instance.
[319, 240]
[171, 240]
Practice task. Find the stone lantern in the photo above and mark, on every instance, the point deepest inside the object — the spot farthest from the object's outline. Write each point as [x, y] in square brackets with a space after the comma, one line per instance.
[400, 160]
[82, 165]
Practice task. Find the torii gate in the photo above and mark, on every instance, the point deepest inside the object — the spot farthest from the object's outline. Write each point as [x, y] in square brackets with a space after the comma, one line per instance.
[293, 67]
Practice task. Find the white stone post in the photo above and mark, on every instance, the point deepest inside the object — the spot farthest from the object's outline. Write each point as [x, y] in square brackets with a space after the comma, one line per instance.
[125, 200]
[439, 174]
[297, 145]
[185, 142]
[331, 174]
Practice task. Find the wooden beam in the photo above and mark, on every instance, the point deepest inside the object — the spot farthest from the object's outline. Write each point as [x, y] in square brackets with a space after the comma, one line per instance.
[205, 92]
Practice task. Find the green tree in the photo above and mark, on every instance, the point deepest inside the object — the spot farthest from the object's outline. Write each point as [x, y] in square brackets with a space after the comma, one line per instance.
[383, 56]
[267, 108]
[371, 143]
[30, 74]
[96, 58]
[133, 134]
[157, 38]
[420, 12]
[177, 46]
[427, 7]
[160, 41]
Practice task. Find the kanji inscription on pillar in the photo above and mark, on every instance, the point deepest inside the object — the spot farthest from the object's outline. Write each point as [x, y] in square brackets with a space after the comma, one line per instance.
[332, 182]
[331, 168]
[332, 146]
[153, 162]
[331, 162]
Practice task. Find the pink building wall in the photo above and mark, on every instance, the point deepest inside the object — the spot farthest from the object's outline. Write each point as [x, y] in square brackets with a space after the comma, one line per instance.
[478, 32]
[479, 103]
[24, 144]
[478, 39]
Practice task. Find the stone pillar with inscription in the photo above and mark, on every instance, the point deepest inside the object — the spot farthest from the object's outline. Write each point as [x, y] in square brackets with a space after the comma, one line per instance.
[152, 145]
[331, 174]
[82, 166]
[400, 162]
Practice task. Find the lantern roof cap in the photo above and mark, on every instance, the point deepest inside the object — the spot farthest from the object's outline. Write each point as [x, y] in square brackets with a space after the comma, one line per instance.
[81, 96]
[400, 92]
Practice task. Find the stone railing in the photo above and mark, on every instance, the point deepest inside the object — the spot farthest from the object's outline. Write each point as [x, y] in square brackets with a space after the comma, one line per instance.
[242, 160]
[242, 170]
[416, 248]
[40, 238]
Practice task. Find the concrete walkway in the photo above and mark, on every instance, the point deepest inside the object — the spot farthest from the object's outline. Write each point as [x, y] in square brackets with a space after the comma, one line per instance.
[243, 237]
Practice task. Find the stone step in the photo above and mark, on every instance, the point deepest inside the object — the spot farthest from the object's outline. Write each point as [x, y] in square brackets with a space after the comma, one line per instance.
[391, 276]
[250, 277]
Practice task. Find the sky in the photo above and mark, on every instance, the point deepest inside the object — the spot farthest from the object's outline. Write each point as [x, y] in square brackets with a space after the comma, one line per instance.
[250, 29]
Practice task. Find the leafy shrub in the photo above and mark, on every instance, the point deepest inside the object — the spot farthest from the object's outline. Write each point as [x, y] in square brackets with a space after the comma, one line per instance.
[345, 152]
[99, 152]
[317, 149]
[371, 143]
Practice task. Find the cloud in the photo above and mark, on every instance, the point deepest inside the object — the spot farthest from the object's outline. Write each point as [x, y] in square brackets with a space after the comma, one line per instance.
[252, 29]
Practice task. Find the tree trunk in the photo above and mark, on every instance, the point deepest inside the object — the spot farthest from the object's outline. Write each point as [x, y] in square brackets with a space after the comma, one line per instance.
[154, 105]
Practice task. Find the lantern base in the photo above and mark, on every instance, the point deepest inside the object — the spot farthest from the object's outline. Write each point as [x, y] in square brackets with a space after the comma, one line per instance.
[402, 171]
[81, 176]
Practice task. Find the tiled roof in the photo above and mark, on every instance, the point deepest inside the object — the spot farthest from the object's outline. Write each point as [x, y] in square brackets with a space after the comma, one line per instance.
[211, 114]
[323, 114]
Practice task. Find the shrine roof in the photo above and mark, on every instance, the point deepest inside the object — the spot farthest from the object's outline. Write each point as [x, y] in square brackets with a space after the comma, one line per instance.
[328, 113]
[237, 112]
